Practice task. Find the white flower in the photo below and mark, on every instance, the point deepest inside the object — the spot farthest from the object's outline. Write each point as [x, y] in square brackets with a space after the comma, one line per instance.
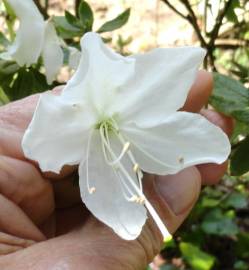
[34, 38]
[117, 117]
[74, 57]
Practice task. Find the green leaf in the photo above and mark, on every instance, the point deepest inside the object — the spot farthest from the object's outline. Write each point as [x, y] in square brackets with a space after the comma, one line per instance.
[3, 97]
[196, 258]
[116, 23]
[65, 29]
[217, 223]
[27, 82]
[241, 265]
[230, 97]
[230, 14]
[240, 158]
[209, 202]
[71, 19]
[3, 40]
[86, 16]
[236, 200]
[242, 245]
[168, 267]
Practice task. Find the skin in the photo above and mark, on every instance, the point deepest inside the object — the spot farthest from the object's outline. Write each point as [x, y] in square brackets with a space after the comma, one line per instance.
[44, 225]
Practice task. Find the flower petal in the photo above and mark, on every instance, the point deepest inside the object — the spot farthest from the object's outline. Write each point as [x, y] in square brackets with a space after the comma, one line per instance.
[57, 133]
[29, 39]
[108, 203]
[182, 140]
[74, 57]
[101, 72]
[52, 52]
[162, 80]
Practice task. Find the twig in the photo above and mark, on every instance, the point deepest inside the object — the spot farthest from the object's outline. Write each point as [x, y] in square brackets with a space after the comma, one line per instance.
[190, 18]
[174, 9]
[214, 33]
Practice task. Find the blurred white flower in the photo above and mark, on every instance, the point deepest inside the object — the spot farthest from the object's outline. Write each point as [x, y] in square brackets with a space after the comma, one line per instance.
[74, 57]
[35, 37]
[118, 116]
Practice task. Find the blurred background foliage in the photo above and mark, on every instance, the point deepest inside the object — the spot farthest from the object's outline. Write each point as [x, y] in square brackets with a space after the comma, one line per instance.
[216, 235]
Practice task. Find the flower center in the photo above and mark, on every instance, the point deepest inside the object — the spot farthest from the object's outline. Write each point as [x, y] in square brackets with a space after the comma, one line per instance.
[132, 188]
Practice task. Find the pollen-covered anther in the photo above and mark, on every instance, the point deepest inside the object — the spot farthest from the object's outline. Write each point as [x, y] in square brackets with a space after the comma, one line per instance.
[141, 200]
[92, 190]
[134, 198]
[126, 147]
[136, 167]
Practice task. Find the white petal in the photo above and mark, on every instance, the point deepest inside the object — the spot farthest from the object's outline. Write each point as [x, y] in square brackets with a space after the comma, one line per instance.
[52, 52]
[182, 140]
[101, 72]
[107, 203]
[29, 39]
[162, 80]
[74, 57]
[57, 133]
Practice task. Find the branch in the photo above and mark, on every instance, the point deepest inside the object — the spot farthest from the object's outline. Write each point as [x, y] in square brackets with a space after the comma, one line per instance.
[191, 18]
[174, 9]
[194, 22]
[214, 33]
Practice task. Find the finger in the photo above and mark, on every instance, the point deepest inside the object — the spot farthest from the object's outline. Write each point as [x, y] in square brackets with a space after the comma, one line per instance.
[174, 195]
[15, 222]
[14, 240]
[10, 243]
[200, 92]
[14, 120]
[212, 173]
[22, 183]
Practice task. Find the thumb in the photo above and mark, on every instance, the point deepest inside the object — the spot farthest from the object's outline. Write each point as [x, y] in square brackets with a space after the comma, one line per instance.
[174, 195]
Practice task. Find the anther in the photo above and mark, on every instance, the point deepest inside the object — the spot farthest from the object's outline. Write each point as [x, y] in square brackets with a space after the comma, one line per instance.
[141, 200]
[126, 147]
[136, 167]
[92, 190]
[134, 198]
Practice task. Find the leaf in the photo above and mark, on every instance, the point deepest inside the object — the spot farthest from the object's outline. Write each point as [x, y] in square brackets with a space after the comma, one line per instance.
[236, 200]
[71, 19]
[168, 267]
[241, 265]
[66, 30]
[242, 245]
[196, 258]
[86, 16]
[27, 82]
[116, 23]
[217, 223]
[230, 14]
[3, 40]
[230, 97]
[3, 97]
[240, 158]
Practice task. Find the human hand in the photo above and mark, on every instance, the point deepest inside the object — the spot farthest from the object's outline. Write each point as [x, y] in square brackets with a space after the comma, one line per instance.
[39, 206]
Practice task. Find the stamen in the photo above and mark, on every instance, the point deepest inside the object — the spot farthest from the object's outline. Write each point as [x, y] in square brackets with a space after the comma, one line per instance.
[137, 189]
[124, 150]
[91, 190]
[136, 168]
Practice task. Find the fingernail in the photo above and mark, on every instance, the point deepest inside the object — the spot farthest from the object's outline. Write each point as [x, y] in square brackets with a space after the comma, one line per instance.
[179, 191]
